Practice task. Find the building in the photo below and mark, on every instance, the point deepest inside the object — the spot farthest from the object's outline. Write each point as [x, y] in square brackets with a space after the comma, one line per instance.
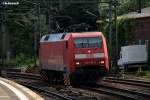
[141, 28]
[141, 25]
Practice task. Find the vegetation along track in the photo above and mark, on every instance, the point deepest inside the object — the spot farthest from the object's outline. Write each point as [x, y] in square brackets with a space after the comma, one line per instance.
[145, 84]
[123, 94]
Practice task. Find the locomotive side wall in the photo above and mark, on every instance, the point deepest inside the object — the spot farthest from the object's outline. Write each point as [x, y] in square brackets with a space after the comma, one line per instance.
[53, 55]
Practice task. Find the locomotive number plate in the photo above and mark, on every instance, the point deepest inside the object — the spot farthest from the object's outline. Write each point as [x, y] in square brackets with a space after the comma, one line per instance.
[89, 55]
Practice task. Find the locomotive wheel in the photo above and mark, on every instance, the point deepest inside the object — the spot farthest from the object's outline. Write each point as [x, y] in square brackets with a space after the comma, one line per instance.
[50, 77]
[44, 75]
[59, 77]
[55, 77]
[77, 80]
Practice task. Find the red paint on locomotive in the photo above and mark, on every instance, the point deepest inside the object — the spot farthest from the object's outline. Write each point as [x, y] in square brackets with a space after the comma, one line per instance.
[74, 53]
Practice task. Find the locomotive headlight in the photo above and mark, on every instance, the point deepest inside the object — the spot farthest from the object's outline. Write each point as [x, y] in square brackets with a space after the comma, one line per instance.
[77, 63]
[102, 62]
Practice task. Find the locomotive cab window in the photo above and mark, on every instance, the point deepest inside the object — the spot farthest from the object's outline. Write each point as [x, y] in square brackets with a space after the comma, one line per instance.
[88, 42]
[46, 38]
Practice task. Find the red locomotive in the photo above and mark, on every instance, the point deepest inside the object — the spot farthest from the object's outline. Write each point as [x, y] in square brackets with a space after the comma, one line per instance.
[82, 55]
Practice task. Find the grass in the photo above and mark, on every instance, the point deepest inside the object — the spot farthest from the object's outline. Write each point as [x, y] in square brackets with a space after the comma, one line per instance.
[21, 61]
[147, 74]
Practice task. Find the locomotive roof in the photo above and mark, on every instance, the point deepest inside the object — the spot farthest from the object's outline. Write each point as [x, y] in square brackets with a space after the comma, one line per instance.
[60, 36]
[86, 34]
[53, 37]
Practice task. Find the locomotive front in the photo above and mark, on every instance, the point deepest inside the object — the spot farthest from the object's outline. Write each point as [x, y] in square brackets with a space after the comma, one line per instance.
[90, 55]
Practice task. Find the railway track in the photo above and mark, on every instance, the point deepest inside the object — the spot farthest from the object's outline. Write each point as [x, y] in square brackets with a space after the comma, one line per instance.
[45, 91]
[24, 75]
[123, 94]
[128, 82]
[34, 82]
[35, 86]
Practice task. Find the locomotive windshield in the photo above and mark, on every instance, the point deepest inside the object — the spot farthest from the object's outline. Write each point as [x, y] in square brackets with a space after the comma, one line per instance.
[88, 42]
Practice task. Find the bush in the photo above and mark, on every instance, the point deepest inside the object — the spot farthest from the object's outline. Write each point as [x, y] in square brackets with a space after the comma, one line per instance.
[125, 33]
[22, 60]
[147, 75]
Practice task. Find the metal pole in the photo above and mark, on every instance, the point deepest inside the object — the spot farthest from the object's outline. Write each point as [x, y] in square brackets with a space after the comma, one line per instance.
[139, 7]
[60, 4]
[35, 38]
[49, 18]
[3, 26]
[116, 29]
[39, 19]
[110, 32]
[147, 46]
[1, 63]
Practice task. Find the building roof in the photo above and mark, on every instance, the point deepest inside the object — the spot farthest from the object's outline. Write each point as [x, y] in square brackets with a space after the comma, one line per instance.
[145, 12]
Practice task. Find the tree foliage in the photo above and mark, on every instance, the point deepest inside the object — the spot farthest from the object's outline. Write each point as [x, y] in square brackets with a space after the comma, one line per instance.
[123, 6]
[21, 28]
[125, 30]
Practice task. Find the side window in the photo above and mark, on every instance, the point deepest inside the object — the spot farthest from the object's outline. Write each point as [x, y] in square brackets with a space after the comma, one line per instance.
[63, 36]
[88, 42]
[78, 42]
[46, 38]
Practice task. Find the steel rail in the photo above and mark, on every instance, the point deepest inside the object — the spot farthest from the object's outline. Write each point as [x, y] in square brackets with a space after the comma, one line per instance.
[128, 82]
[24, 75]
[109, 92]
[48, 93]
[118, 92]
[34, 87]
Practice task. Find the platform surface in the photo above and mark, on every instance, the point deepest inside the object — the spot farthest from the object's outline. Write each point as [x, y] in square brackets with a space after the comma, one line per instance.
[10, 90]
